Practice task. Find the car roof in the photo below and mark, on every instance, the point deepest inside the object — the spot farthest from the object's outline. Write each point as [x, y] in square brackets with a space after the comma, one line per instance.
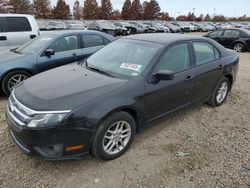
[15, 15]
[62, 32]
[163, 38]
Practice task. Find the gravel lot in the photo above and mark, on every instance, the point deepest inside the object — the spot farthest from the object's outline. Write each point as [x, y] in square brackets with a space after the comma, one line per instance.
[201, 147]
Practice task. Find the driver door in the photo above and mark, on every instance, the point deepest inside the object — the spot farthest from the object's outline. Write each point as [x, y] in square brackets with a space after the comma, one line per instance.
[166, 96]
[66, 51]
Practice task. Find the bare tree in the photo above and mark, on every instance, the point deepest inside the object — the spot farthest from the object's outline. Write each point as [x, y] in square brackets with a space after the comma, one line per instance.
[42, 9]
[90, 9]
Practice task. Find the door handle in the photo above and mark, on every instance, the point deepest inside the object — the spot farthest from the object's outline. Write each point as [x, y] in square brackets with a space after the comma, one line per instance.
[74, 55]
[32, 36]
[189, 78]
[3, 38]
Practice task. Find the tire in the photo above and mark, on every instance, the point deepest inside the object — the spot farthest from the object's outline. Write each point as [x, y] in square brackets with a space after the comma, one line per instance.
[103, 136]
[220, 92]
[8, 81]
[239, 47]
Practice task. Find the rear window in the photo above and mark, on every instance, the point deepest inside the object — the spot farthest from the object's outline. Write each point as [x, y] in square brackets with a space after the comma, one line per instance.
[92, 40]
[205, 52]
[18, 24]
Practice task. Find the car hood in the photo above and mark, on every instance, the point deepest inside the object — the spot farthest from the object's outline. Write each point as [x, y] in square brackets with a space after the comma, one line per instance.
[7, 56]
[65, 88]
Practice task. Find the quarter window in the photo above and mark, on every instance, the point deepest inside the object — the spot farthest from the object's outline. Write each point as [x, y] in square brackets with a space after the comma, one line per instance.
[17, 24]
[205, 52]
[92, 40]
[65, 44]
[176, 59]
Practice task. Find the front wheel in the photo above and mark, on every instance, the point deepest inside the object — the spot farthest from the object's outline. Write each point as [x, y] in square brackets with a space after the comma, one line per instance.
[114, 136]
[220, 93]
[12, 79]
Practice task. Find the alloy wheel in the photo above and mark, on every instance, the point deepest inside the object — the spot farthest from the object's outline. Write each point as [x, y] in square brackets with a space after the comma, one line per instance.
[116, 137]
[222, 92]
[16, 79]
[238, 48]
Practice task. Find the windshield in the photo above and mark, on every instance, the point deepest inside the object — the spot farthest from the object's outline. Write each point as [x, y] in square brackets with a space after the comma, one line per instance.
[34, 45]
[124, 57]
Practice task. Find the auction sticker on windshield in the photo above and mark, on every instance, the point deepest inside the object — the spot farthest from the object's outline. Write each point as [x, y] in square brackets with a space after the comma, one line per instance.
[130, 66]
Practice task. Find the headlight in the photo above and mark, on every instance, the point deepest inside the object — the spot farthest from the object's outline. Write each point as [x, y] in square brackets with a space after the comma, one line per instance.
[45, 120]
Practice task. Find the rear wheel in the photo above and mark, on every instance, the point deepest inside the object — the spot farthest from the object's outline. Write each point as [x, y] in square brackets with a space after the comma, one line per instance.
[220, 92]
[12, 79]
[238, 47]
[114, 136]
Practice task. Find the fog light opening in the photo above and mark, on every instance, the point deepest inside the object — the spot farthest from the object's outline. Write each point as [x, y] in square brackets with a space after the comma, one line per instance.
[51, 150]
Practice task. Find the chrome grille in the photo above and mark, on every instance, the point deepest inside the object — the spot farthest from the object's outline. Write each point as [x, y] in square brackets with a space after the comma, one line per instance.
[17, 112]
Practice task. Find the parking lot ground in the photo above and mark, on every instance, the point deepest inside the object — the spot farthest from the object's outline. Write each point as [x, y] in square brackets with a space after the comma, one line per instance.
[200, 147]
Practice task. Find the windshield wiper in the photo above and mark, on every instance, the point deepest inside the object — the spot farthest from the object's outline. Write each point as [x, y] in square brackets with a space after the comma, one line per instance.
[15, 51]
[99, 70]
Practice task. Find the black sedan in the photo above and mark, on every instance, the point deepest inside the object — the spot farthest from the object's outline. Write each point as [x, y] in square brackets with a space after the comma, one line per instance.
[117, 92]
[49, 50]
[237, 39]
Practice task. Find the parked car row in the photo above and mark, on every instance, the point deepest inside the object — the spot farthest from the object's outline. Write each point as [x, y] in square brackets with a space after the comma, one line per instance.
[237, 39]
[122, 27]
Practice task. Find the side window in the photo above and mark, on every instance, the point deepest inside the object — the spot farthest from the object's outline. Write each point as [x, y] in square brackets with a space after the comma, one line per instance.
[65, 44]
[205, 52]
[215, 33]
[176, 59]
[92, 40]
[106, 41]
[231, 33]
[1, 25]
[236, 33]
[18, 24]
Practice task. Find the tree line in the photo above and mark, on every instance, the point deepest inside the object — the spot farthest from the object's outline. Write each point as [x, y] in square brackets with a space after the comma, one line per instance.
[90, 9]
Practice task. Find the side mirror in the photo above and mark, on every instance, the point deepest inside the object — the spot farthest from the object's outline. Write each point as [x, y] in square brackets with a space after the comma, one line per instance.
[164, 75]
[49, 52]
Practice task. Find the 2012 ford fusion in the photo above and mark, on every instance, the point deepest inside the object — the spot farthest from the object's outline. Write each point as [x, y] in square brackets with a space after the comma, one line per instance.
[117, 92]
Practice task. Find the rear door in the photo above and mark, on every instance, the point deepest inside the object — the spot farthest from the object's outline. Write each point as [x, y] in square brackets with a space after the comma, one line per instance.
[3, 35]
[66, 50]
[18, 30]
[228, 37]
[208, 70]
[91, 43]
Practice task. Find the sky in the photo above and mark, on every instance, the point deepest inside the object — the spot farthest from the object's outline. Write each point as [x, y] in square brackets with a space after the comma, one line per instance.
[229, 8]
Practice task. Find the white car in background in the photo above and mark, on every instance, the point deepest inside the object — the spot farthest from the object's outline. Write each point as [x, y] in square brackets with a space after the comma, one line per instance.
[17, 29]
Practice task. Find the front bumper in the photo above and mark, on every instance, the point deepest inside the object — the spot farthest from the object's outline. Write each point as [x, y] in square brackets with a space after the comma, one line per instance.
[51, 143]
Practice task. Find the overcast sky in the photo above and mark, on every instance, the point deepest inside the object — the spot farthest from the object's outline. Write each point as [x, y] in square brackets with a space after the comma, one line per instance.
[228, 8]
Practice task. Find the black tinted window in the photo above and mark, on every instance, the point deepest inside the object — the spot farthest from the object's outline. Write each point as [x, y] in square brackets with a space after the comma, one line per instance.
[92, 40]
[1, 25]
[231, 33]
[175, 59]
[215, 33]
[205, 52]
[16, 24]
